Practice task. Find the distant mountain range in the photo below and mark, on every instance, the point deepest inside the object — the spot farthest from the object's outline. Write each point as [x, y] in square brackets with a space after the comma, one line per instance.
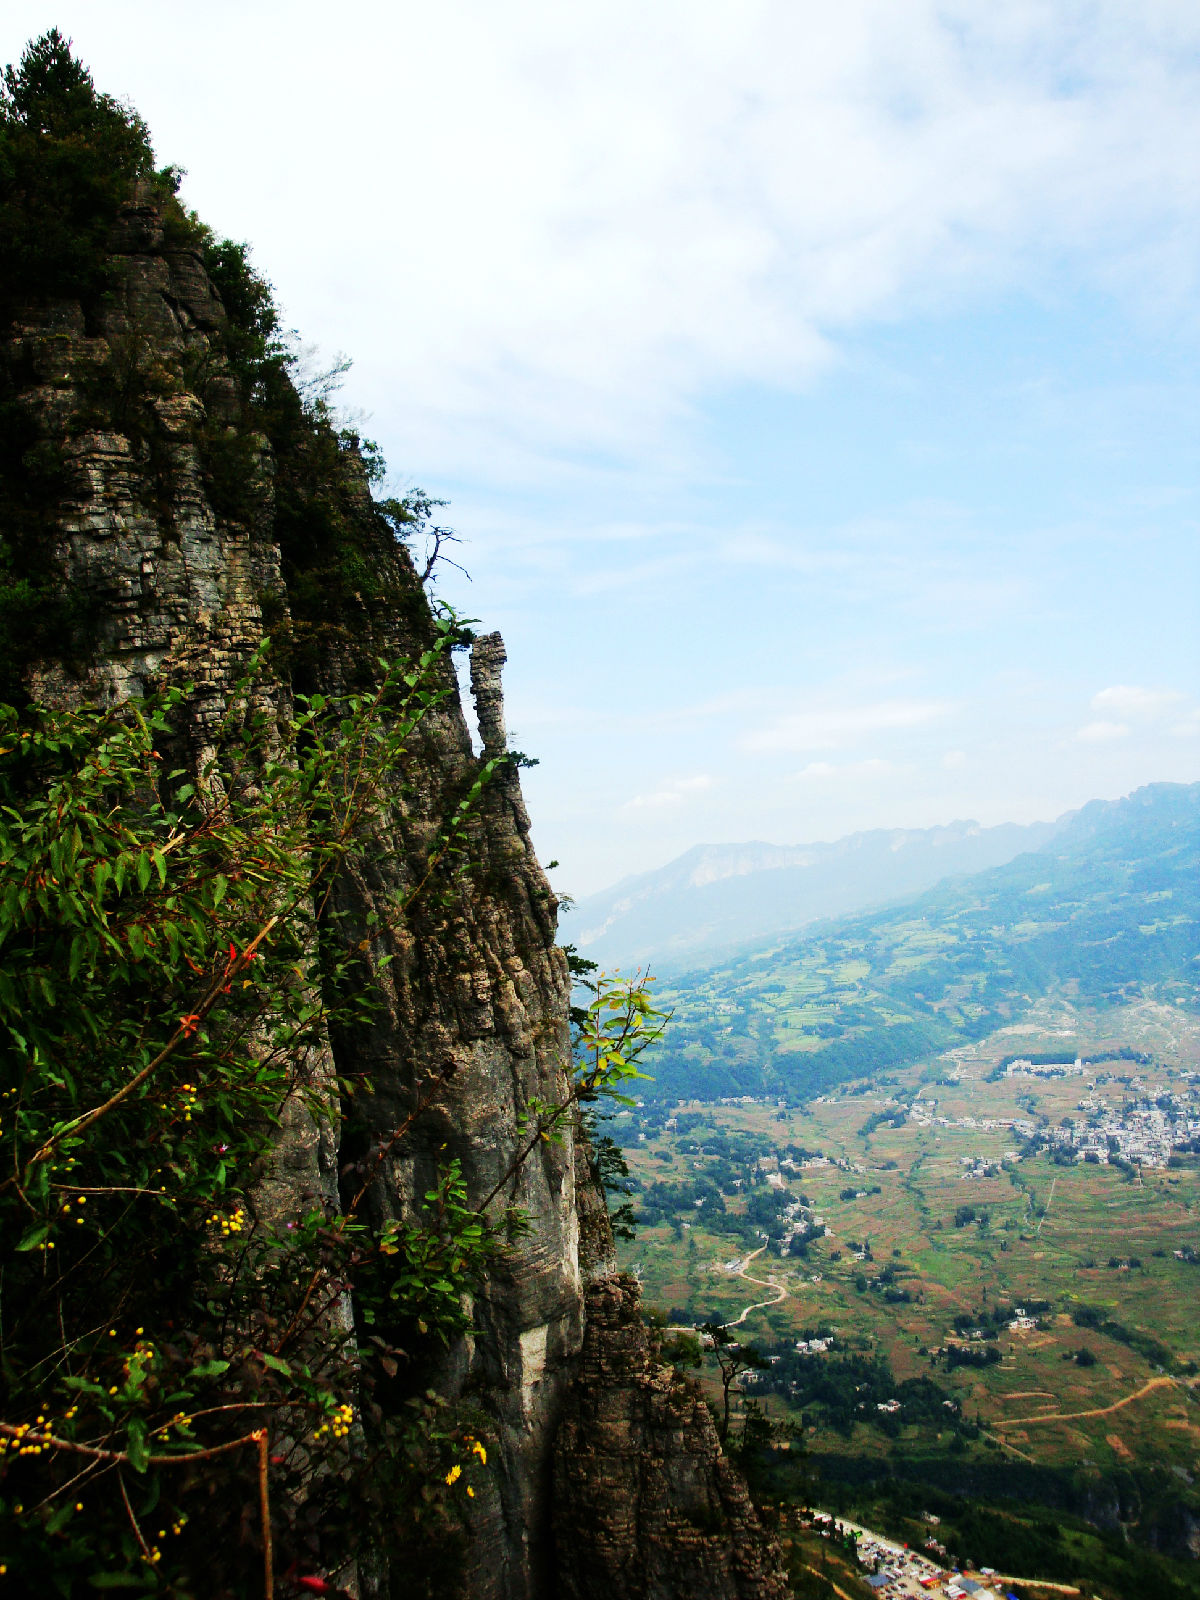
[717, 896]
[1108, 909]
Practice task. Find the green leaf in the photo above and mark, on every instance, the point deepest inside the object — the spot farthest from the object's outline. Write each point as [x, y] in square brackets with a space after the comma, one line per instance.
[210, 1369]
[34, 1236]
[135, 1445]
[60, 1518]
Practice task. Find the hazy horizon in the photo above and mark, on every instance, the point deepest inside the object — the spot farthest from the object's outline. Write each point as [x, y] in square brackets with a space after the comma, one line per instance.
[830, 839]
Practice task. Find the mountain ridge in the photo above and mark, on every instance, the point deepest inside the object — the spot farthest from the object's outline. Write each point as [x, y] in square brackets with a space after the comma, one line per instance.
[714, 897]
[1109, 909]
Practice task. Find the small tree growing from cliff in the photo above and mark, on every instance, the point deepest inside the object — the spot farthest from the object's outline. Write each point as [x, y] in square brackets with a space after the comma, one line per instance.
[732, 1360]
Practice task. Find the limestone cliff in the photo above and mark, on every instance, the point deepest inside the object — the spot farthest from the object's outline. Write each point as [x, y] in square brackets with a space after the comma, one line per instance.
[647, 1507]
[175, 518]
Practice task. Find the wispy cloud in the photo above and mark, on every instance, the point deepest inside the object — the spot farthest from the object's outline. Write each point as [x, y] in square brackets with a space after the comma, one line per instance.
[1127, 708]
[669, 795]
[1101, 732]
[1130, 701]
[832, 728]
[848, 771]
[606, 233]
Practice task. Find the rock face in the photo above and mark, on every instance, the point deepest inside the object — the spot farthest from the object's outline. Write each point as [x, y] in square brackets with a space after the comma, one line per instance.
[181, 536]
[646, 1505]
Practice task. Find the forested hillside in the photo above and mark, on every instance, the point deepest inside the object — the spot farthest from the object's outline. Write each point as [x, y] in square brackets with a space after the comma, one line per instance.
[1109, 909]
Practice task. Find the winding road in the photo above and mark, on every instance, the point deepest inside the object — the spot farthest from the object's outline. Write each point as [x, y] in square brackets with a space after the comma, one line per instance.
[763, 1283]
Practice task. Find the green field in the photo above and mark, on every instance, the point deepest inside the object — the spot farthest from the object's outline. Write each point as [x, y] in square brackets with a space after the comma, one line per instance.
[1056, 1237]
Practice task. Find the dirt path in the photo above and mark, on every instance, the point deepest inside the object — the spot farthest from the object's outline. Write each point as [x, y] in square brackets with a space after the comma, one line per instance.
[763, 1283]
[1049, 1203]
[1036, 1583]
[825, 1578]
[1100, 1411]
[1011, 1448]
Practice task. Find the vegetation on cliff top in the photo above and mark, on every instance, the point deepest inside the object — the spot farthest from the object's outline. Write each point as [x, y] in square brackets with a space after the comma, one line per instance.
[70, 158]
[72, 161]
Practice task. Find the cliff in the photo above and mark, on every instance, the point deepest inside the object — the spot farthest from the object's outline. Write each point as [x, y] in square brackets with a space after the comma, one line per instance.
[646, 1505]
[168, 501]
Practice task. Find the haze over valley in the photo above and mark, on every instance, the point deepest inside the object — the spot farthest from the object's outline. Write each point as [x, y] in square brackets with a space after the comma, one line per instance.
[715, 896]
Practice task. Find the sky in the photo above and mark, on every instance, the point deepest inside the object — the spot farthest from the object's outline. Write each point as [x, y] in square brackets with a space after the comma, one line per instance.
[815, 388]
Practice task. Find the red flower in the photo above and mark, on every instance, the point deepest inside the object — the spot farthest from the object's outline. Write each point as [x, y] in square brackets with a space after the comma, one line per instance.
[190, 1023]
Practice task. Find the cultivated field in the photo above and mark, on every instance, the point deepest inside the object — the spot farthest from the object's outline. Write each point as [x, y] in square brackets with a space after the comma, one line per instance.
[1054, 1237]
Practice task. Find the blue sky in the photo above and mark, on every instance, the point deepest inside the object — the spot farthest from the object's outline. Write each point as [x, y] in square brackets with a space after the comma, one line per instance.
[815, 388]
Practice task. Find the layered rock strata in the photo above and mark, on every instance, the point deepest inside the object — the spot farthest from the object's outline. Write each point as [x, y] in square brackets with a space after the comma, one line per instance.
[647, 1507]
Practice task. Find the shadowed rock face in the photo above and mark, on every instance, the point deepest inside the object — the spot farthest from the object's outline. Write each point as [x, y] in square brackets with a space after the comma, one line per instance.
[646, 1505]
[137, 402]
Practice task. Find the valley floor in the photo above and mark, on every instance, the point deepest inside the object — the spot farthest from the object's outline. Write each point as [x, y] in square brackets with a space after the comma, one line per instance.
[940, 1293]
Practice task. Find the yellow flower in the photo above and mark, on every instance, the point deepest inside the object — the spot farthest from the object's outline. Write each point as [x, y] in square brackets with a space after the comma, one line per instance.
[453, 1475]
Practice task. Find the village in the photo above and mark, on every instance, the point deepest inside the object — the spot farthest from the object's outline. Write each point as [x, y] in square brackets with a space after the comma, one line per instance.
[895, 1570]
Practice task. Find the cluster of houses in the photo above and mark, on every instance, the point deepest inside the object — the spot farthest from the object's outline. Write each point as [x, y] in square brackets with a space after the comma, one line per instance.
[982, 1166]
[923, 1117]
[901, 1571]
[1143, 1134]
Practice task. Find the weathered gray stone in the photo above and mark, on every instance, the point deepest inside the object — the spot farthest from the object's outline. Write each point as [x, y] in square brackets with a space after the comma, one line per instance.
[647, 1506]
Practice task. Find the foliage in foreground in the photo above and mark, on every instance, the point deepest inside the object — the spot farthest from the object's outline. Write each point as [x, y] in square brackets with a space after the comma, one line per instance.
[177, 1358]
[174, 1351]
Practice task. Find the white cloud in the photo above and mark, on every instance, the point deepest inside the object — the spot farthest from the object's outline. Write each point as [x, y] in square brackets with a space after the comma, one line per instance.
[541, 227]
[831, 728]
[826, 771]
[669, 796]
[1127, 700]
[953, 759]
[1100, 732]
